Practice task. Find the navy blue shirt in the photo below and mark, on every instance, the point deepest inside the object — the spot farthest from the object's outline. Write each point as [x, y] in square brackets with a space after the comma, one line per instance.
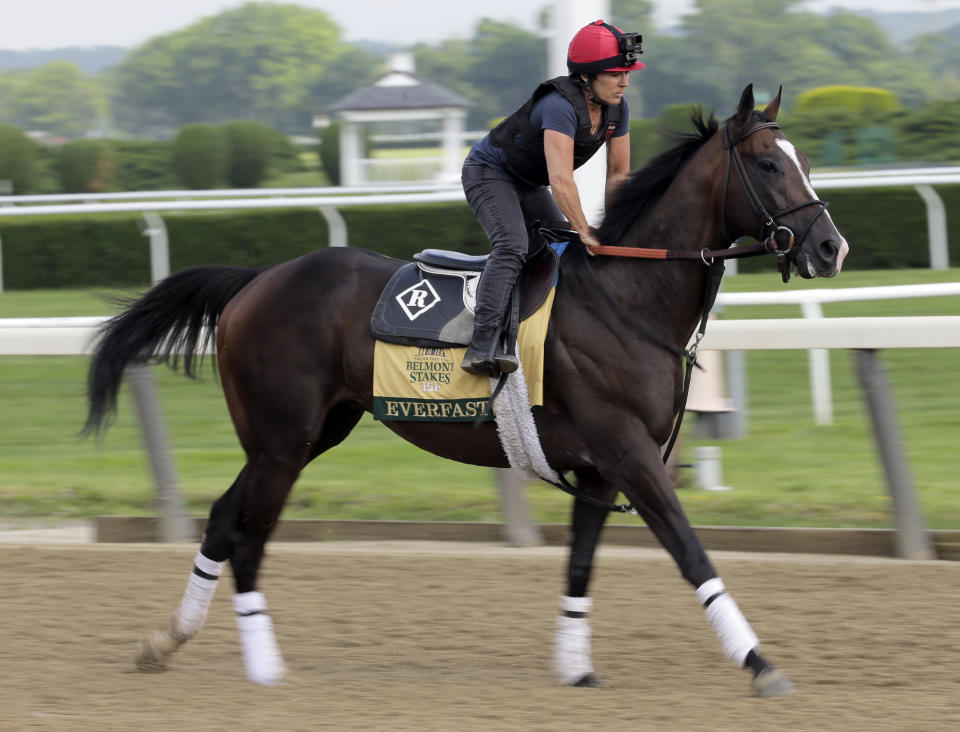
[552, 112]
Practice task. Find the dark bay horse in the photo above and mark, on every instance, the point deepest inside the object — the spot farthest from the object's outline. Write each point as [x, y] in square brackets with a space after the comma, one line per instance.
[295, 358]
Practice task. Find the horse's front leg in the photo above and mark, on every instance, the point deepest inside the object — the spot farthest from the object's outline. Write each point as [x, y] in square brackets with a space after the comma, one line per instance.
[572, 657]
[640, 475]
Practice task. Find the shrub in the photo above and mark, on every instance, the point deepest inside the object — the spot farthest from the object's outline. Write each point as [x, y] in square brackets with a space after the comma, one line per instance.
[199, 156]
[85, 166]
[143, 165]
[863, 100]
[248, 146]
[329, 152]
[932, 133]
[284, 154]
[17, 159]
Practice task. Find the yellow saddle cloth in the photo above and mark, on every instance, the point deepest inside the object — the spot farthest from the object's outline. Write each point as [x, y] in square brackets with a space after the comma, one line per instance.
[413, 383]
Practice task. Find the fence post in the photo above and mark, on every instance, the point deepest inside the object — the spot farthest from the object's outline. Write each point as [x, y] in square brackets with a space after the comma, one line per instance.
[912, 540]
[936, 227]
[159, 246]
[518, 528]
[337, 227]
[819, 359]
[173, 521]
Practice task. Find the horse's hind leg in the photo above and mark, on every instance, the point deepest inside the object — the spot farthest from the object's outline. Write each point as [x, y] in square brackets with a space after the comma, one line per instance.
[191, 614]
[268, 478]
[239, 525]
[572, 657]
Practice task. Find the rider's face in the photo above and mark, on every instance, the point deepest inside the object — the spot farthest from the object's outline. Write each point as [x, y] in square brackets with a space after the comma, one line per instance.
[609, 86]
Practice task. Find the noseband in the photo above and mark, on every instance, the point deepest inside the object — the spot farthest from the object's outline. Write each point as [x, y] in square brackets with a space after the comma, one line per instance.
[769, 228]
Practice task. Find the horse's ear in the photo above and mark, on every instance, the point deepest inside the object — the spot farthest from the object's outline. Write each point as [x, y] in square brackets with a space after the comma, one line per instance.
[771, 111]
[746, 106]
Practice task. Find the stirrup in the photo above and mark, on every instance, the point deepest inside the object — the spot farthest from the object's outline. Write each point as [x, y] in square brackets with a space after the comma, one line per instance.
[481, 368]
[479, 365]
[507, 363]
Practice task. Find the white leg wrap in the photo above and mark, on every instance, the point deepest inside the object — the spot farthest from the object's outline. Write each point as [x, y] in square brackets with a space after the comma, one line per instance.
[571, 658]
[190, 616]
[735, 633]
[261, 656]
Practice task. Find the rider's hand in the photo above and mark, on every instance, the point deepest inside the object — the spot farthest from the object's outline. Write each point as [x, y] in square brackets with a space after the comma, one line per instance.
[589, 241]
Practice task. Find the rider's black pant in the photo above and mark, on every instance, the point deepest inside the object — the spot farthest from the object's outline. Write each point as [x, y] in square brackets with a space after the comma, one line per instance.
[501, 205]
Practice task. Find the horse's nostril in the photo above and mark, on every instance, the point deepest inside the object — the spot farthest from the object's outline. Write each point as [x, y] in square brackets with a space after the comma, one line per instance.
[828, 250]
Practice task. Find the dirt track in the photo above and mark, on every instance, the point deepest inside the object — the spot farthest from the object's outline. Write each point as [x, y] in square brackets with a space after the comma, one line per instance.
[413, 638]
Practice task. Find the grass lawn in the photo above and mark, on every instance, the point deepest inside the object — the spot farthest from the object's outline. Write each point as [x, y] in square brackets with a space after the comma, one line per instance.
[786, 471]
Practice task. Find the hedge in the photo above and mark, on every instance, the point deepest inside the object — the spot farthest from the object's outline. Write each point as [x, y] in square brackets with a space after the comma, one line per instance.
[110, 251]
[886, 229]
[859, 99]
[85, 166]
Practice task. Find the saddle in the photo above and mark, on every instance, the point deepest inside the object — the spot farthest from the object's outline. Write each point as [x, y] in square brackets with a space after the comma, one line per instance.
[430, 301]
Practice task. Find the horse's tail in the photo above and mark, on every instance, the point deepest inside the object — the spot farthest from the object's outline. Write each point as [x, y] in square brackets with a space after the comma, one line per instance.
[165, 325]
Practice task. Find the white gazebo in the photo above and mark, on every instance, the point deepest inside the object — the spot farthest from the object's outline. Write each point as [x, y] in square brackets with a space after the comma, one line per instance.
[396, 97]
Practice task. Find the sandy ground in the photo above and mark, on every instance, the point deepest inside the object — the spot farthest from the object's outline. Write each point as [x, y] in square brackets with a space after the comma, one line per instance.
[417, 636]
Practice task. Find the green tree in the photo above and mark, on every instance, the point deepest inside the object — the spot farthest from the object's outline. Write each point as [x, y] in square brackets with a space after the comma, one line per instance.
[729, 43]
[259, 60]
[57, 97]
[350, 70]
[17, 159]
[939, 55]
[632, 16]
[496, 70]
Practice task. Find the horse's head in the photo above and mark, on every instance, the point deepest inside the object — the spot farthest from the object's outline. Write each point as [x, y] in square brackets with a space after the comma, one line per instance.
[767, 194]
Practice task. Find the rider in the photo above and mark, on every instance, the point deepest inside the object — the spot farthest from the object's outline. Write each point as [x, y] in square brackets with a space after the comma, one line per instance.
[506, 174]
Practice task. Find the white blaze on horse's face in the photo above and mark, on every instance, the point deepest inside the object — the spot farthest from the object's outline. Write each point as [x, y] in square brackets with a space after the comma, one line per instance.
[791, 152]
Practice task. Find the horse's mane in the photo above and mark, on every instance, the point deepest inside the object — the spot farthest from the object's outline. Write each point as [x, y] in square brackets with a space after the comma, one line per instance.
[645, 186]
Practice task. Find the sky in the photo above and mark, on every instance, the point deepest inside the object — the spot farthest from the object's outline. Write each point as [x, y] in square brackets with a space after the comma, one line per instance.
[44, 24]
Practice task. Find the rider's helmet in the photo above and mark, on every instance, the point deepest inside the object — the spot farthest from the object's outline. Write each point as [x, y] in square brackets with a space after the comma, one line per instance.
[602, 47]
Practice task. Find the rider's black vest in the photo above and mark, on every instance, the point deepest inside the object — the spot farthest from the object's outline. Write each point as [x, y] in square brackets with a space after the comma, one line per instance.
[522, 143]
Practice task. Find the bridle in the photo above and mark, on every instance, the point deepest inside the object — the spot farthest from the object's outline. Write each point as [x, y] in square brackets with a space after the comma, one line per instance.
[768, 231]
[769, 228]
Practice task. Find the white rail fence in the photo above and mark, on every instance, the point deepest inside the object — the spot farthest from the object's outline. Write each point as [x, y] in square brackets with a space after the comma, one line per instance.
[329, 199]
[811, 302]
[67, 336]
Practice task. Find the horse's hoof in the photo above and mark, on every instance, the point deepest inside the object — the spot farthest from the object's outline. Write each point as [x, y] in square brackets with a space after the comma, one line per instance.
[153, 651]
[588, 681]
[274, 678]
[772, 682]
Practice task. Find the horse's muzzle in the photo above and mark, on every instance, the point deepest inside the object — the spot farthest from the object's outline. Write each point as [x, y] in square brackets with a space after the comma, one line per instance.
[823, 260]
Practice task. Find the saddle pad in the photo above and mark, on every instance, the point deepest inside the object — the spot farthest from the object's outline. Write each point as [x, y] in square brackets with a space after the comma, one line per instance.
[424, 305]
[426, 384]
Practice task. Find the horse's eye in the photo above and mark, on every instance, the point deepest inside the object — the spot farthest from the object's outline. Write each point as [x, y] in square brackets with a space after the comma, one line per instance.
[767, 167]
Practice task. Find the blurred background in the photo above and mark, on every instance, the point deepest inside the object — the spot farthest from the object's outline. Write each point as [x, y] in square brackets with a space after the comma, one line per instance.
[865, 83]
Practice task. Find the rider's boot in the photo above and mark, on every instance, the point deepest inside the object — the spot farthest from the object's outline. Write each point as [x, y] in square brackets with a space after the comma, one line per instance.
[485, 355]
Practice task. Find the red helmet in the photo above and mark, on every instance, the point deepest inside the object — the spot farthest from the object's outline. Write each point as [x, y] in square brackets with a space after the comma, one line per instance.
[602, 47]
